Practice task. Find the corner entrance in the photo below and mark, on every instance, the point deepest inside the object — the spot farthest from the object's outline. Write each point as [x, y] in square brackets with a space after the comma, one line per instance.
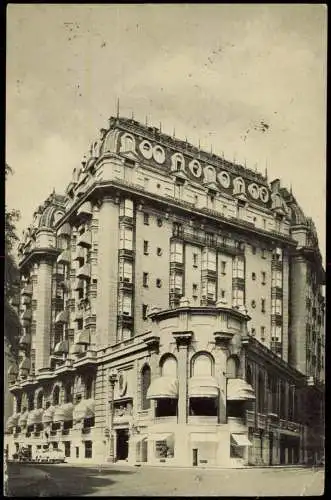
[122, 446]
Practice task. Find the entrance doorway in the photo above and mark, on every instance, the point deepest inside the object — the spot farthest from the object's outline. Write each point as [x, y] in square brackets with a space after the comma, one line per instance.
[122, 445]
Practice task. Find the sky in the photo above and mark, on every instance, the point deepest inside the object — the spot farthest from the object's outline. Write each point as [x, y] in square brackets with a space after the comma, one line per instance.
[208, 72]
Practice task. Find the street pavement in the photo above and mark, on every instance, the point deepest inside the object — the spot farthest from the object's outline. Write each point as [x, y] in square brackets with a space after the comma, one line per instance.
[113, 480]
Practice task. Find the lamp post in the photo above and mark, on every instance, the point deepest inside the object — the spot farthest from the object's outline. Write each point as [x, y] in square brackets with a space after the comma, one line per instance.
[112, 381]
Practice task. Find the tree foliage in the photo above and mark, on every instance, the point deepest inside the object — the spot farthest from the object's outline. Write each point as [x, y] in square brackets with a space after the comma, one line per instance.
[12, 323]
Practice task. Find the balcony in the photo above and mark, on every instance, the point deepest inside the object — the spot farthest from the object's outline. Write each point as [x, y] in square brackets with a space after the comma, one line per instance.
[62, 347]
[85, 210]
[238, 283]
[62, 317]
[124, 320]
[209, 274]
[85, 240]
[25, 340]
[126, 253]
[90, 320]
[64, 230]
[286, 425]
[79, 254]
[176, 266]
[125, 284]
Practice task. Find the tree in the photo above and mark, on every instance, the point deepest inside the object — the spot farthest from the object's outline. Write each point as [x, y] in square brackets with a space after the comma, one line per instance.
[12, 275]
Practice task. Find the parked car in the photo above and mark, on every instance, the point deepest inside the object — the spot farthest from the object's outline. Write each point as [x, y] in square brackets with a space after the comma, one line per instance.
[55, 456]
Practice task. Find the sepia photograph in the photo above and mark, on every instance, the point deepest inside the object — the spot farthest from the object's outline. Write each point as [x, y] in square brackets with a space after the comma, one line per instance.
[165, 234]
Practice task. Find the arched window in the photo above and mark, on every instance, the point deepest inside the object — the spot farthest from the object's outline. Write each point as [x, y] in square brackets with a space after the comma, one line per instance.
[169, 366]
[68, 393]
[56, 395]
[145, 383]
[40, 399]
[210, 174]
[31, 402]
[239, 186]
[127, 143]
[232, 367]
[261, 393]
[202, 366]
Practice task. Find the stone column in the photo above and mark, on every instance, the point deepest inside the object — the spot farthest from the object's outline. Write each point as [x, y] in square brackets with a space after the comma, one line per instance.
[153, 342]
[183, 340]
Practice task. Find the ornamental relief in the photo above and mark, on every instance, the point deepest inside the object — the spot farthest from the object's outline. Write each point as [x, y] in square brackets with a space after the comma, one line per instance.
[205, 173]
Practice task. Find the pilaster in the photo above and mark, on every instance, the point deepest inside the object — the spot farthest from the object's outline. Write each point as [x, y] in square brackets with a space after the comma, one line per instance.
[183, 340]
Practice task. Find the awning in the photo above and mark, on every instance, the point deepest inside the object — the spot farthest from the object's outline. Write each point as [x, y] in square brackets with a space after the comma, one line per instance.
[204, 438]
[84, 272]
[25, 339]
[83, 337]
[25, 364]
[85, 240]
[62, 317]
[239, 390]
[23, 418]
[35, 416]
[63, 413]
[13, 421]
[64, 230]
[48, 414]
[203, 387]
[85, 209]
[240, 440]
[159, 437]
[84, 409]
[76, 349]
[64, 257]
[163, 387]
[79, 285]
[26, 314]
[27, 290]
[79, 254]
[62, 347]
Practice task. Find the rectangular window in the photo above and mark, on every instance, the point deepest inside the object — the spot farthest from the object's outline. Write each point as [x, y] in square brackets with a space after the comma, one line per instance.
[126, 238]
[238, 268]
[276, 333]
[176, 252]
[276, 307]
[194, 290]
[209, 260]
[264, 224]
[277, 279]
[88, 449]
[210, 238]
[238, 297]
[125, 271]
[223, 294]
[264, 253]
[262, 332]
[253, 250]
[176, 283]
[264, 277]
[126, 208]
[195, 260]
[146, 219]
[223, 267]
[211, 290]
[145, 280]
[177, 191]
[177, 229]
[145, 308]
[263, 305]
[146, 251]
[125, 305]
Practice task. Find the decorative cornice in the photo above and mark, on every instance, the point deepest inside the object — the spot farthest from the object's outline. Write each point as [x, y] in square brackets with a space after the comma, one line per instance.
[183, 338]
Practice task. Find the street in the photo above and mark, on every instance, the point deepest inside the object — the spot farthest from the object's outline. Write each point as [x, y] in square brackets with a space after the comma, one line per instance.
[68, 480]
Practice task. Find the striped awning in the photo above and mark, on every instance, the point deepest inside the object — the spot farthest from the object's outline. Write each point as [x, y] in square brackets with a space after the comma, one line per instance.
[239, 390]
[240, 440]
[27, 290]
[62, 317]
[64, 257]
[83, 337]
[62, 347]
[63, 413]
[13, 421]
[84, 409]
[163, 387]
[35, 416]
[85, 240]
[85, 209]
[64, 230]
[23, 418]
[48, 415]
[203, 387]
[84, 272]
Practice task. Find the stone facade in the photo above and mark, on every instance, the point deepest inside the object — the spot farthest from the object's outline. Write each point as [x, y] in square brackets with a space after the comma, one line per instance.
[163, 308]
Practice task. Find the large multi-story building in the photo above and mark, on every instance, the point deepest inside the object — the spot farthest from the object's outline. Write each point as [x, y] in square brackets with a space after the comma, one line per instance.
[172, 312]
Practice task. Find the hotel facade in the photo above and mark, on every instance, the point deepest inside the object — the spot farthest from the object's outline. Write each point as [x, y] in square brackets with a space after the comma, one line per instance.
[172, 313]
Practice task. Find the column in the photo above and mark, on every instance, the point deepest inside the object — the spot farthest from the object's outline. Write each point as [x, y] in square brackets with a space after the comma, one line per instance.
[153, 342]
[183, 340]
[42, 292]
